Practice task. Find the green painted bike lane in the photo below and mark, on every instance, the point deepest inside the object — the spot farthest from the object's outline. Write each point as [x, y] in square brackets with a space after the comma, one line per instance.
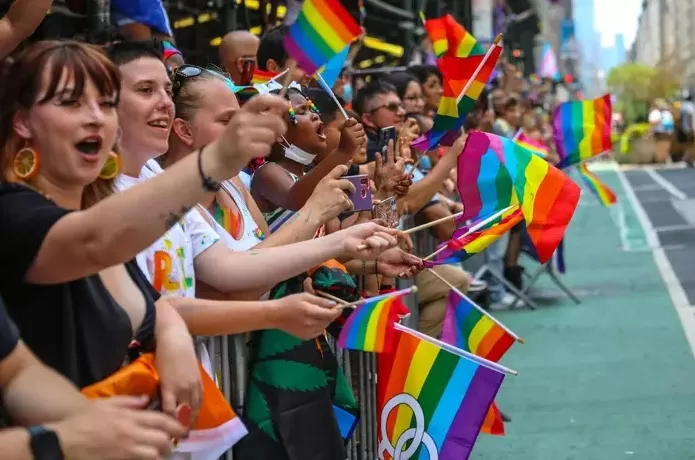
[612, 378]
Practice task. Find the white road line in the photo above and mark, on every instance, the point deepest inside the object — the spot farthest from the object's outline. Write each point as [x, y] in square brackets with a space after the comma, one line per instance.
[667, 185]
[647, 188]
[673, 285]
[674, 228]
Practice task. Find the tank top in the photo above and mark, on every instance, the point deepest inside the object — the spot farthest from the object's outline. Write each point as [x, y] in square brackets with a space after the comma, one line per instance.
[235, 226]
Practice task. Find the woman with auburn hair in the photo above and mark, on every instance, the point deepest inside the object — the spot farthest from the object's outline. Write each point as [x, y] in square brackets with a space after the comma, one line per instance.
[70, 282]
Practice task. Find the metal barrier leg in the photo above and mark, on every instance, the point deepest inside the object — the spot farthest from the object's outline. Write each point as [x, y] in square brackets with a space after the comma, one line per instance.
[563, 286]
[510, 287]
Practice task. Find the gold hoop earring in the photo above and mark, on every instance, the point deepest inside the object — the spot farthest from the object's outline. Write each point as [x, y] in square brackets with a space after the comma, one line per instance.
[111, 168]
[26, 163]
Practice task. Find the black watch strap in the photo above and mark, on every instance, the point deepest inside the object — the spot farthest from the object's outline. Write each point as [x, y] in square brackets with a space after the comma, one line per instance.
[44, 443]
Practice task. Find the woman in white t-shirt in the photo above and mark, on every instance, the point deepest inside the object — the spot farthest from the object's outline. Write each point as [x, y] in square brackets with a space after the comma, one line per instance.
[192, 252]
[662, 125]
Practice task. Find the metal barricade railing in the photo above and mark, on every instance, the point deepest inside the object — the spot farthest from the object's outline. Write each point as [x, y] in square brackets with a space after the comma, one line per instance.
[229, 358]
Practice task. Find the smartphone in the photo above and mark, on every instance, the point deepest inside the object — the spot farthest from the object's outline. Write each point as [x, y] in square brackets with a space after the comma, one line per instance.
[362, 196]
[387, 211]
[385, 135]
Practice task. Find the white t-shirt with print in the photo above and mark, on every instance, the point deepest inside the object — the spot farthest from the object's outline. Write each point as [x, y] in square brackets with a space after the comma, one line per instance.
[168, 263]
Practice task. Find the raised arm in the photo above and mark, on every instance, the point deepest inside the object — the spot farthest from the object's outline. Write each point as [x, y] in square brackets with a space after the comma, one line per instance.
[22, 19]
[229, 271]
[116, 229]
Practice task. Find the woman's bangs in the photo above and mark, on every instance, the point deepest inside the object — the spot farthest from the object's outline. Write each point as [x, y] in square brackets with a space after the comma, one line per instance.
[68, 69]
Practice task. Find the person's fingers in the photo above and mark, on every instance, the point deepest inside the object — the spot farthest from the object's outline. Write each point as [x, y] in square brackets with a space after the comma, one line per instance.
[147, 437]
[338, 171]
[168, 401]
[345, 185]
[392, 240]
[309, 286]
[264, 102]
[390, 153]
[127, 402]
[348, 123]
[159, 421]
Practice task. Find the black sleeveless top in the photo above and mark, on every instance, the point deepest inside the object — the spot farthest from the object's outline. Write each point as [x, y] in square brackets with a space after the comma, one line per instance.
[77, 328]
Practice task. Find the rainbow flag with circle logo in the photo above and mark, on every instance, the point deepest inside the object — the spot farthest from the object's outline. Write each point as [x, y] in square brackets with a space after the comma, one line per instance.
[431, 402]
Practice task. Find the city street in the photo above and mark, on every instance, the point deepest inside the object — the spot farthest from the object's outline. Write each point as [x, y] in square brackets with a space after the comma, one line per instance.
[614, 377]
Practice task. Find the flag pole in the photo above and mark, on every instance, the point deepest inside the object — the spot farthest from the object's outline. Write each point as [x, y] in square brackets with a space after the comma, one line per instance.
[329, 90]
[343, 304]
[478, 307]
[433, 223]
[455, 350]
[472, 78]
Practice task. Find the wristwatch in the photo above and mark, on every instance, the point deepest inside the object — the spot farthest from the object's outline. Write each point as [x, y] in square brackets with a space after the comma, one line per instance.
[45, 444]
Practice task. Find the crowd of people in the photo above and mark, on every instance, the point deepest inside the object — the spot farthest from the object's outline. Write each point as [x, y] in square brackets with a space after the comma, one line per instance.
[145, 202]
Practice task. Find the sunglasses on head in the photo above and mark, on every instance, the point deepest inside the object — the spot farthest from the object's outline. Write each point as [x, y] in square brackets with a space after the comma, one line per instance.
[180, 74]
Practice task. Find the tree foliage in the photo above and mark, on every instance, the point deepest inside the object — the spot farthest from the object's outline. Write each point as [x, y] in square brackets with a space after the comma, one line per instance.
[636, 85]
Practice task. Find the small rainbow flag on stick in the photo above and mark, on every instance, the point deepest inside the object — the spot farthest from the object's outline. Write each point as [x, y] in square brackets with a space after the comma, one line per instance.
[261, 77]
[370, 326]
[533, 145]
[323, 29]
[508, 174]
[604, 194]
[582, 129]
[450, 38]
[437, 392]
[468, 244]
[464, 81]
[470, 328]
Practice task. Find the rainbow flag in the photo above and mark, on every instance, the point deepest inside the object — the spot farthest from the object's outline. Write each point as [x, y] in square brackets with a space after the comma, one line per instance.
[450, 38]
[467, 245]
[468, 328]
[533, 145]
[432, 403]
[261, 77]
[323, 29]
[452, 112]
[605, 195]
[582, 129]
[494, 173]
[370, 326]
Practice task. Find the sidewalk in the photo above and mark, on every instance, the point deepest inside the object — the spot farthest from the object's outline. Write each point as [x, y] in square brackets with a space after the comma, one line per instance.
[612, 378]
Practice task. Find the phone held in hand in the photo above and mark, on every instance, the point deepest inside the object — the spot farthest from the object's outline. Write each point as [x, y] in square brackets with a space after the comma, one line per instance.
[362, 196]
[385, 135]
[387, 211]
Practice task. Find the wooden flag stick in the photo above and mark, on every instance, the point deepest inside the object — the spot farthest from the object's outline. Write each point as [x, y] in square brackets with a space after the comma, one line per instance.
[433, 223]
[473, 77]
[343, 304]
[478, 307]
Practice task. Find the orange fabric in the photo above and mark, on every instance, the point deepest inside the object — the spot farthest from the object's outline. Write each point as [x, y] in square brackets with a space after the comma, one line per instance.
[141, 378]
[332, 263]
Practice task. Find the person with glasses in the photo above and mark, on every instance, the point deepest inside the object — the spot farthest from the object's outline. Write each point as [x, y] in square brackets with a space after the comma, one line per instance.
[238, 55]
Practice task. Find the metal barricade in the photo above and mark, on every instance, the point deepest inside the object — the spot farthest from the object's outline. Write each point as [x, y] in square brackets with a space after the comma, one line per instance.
[229, 358]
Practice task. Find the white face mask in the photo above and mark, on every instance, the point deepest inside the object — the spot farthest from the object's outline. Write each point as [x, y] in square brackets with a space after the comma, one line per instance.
[294, 153]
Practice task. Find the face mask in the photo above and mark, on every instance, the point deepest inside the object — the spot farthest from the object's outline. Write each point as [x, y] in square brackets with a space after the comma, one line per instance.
[347, 92]
[425, 163]
[294, 153]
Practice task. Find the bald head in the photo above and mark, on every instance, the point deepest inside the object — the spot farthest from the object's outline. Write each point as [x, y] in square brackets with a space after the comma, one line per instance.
[236, 48]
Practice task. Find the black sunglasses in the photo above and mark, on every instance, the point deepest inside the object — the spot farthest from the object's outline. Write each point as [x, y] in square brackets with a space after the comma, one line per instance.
[180, 74]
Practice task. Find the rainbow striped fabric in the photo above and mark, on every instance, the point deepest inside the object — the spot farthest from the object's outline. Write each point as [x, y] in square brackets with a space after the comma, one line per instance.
[323, 29]
[443, 396]
[464, 245]
[468, 328]
[582, 129]
[494, 173]
[261, 77]
[450, 38]
[604, 194]
[370, 326]
[452, 111]
[533, 145]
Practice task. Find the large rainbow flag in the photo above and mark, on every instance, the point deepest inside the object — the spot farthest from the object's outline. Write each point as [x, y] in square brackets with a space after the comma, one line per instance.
[464, 244]
[605, 195]
[323, 29]
[451, 113]
[370, 326]
[582, 129]
[431, 402]
[495, 173]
